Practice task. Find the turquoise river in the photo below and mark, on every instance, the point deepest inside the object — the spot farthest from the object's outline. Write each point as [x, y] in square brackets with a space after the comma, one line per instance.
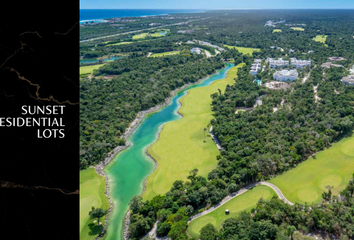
[132, 166]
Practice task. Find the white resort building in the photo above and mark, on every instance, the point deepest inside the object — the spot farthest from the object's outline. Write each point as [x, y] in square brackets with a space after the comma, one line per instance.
[300, 63]
[256, 66]
[348, 80]
[351, 70]
[277, 63]
[286, 75]
[196, 50]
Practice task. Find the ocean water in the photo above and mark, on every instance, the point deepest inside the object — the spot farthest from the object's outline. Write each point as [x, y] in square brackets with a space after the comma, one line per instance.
[130, 167]
[99, 14]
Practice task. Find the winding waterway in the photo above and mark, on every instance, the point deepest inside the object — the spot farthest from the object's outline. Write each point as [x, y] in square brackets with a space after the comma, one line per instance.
[131, 167]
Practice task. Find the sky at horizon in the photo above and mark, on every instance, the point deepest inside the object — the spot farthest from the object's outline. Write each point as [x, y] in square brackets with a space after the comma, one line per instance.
[214, 4]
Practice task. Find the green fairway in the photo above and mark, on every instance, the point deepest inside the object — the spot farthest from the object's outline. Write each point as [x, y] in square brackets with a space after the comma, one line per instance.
[321, 39]
[181, 147]
[276, 30]
[89, 69]
[120, 43]
[140, 36]
[244, 50]
[244, 202]
[165, 54]
[92, 187]
[333, 166]
[298, 29]
[161, 33]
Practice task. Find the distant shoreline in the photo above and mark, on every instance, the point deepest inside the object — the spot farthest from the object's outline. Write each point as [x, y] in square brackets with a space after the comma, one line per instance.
[120, 13]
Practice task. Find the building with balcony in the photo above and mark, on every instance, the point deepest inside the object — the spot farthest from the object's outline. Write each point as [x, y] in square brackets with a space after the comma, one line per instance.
[286, 75]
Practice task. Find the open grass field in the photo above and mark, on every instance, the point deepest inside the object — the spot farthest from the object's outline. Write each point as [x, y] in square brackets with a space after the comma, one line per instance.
[298, 29]
[161, 33]
[276, 30]
[92, 187]
[333, 166]
[243, 50]
[120, 43]
[89, 69]
[244, 202]
[321, 39]
[181, 147]
[140, 36]
[165, 54]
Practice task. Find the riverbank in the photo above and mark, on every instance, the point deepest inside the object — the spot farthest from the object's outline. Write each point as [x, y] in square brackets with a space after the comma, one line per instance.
[127, 135]
[183, 144]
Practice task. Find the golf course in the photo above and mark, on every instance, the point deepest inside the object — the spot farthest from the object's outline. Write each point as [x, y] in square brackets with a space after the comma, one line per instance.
[183, 144]
[244, 202]
[298, 29]
[92, 187]
[243, 50]
[321, 39]
[89, 69]
[165, 54]
[330, 167]
[130, 168]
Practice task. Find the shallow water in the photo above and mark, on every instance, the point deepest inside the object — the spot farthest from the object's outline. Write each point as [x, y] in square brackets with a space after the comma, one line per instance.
[94, 60]
[130, 168]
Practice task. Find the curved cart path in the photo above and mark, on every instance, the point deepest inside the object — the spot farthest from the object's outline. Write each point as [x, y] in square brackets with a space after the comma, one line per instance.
[239, 192]
[152, 232]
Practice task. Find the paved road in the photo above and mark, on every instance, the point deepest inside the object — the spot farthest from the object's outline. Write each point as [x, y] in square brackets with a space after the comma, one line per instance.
[239, 192]
[152, 232]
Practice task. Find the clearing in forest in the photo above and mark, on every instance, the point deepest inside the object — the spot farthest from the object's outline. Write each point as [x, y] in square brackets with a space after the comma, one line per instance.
[183, 144]
[92, 187]
[244, 202]
[165, 54]
[297, 28]
[120, 43]
[244, 50]
[321, 39]
[276, 30]
[89, 69]
[331, 167]
[140, 36]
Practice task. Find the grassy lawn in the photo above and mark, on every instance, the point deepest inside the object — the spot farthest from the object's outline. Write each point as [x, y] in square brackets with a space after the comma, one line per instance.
[276, 30]
[243, 50]
[181, 147]
[321, 39]
[92, 187]
[89, 69]
[165, 54]
[298, 29]
[333, 166]
[159, 34]
[120, 43]
[140, 36]
[244, 202]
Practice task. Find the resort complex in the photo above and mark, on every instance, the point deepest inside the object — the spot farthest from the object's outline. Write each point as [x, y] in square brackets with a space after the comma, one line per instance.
[218, 125]
[300, 63]
[286, 75]
[256, 67]
[279, 63]
[196, 50]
